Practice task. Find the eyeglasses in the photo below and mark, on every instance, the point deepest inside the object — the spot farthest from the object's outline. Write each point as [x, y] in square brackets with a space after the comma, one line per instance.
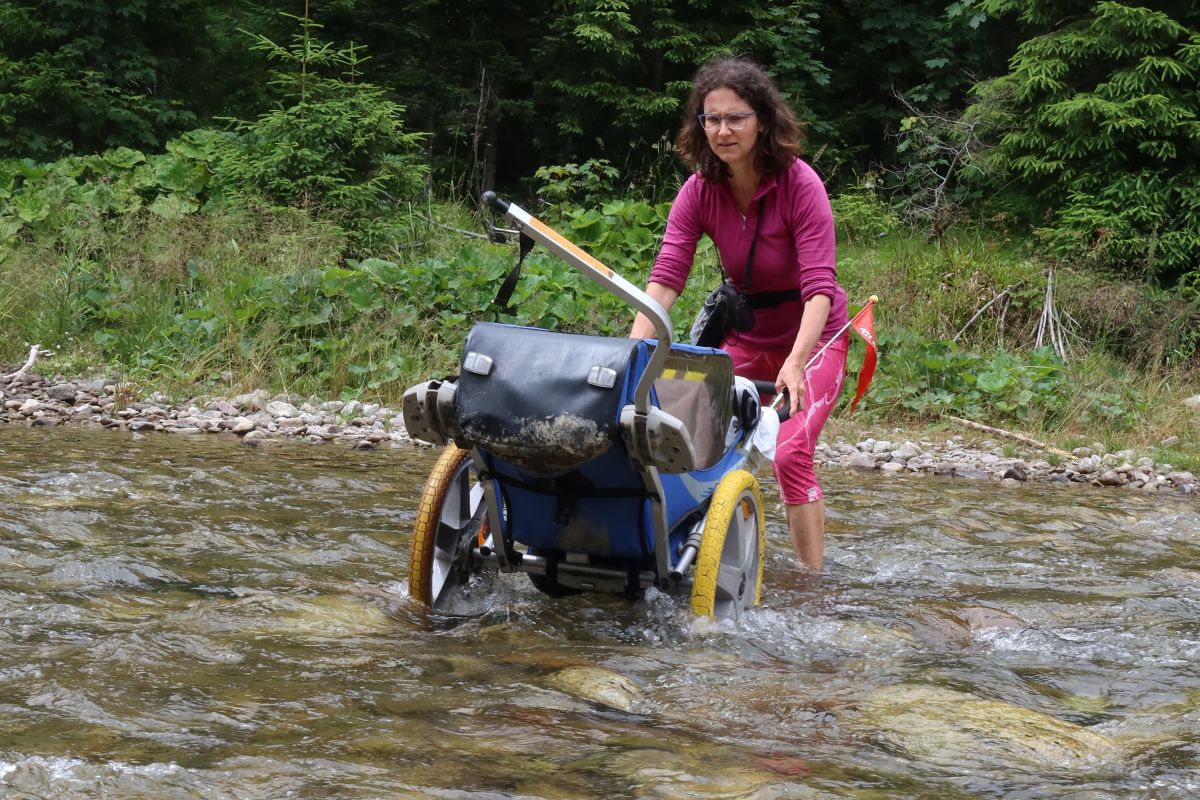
[735, 121]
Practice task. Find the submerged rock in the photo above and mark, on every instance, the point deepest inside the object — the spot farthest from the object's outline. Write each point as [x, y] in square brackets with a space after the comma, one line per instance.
[598, 685]
[301, 617]
[945, 726]
[686, 776]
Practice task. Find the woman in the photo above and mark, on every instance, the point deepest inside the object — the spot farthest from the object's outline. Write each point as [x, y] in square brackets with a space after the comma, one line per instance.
[751, 188]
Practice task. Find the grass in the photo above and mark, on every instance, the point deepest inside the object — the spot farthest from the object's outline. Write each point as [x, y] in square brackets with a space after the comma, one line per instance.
[225, 303]
[1131, 365]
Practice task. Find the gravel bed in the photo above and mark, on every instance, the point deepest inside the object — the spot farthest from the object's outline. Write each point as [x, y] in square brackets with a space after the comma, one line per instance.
[255, 417]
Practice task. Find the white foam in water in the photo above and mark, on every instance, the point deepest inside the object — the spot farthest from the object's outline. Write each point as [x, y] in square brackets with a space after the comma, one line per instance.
[56, 776]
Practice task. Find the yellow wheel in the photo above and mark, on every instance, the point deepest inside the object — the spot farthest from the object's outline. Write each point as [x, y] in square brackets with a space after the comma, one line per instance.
[729, 566]
[451, 523]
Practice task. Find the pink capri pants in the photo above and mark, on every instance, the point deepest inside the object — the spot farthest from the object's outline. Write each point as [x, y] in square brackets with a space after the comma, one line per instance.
[798, 435]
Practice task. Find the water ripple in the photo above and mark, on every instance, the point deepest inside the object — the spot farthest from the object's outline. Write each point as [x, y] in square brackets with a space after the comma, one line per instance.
[196, 619]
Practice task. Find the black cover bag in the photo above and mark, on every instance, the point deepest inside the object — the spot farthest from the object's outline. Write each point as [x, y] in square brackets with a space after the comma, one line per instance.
[538, 398]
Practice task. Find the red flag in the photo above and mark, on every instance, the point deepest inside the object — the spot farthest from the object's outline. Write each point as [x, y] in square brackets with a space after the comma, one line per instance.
[864, 325]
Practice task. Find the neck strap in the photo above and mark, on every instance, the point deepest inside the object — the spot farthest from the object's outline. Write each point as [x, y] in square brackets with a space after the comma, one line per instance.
[753, 244]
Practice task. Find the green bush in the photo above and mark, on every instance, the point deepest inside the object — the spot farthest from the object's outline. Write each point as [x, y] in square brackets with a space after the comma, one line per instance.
[579, 185]
[861, 215]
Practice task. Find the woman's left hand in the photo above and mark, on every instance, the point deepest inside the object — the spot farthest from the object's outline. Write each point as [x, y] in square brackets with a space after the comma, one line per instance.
[791, 377]
[791, 374]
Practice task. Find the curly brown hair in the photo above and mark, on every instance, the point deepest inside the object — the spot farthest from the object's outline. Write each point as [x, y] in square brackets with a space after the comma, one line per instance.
[781, 139]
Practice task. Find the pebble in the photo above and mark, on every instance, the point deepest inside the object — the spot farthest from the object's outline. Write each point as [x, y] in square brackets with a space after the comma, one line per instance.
[258, 417]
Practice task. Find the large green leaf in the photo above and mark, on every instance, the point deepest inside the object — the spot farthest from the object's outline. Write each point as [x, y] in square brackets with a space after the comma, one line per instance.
[10, 227]
[383, 272]
[124, 158]
[31, 207]
[174, 206]
[179, 174]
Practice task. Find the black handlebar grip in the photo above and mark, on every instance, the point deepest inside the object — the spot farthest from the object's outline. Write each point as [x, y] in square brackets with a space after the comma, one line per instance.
[493, 200]
[768, 388]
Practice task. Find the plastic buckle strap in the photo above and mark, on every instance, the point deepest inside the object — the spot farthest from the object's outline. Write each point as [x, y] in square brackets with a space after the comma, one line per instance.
[510, 283]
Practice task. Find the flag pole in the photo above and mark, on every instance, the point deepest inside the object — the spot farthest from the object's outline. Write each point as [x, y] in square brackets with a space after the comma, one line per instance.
[872, 300]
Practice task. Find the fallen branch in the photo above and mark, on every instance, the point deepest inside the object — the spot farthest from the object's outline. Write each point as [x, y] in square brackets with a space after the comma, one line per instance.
[12, 377]
[460, 231]
[1020, 437]
[985, 306]
[494, 234]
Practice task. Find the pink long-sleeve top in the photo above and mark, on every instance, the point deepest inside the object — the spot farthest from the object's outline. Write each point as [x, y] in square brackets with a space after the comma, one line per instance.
[795, 250]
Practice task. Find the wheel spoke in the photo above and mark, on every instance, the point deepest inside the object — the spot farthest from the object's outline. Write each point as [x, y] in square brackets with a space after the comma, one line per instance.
[729, 578]
[738, 570]
[460, 517]
[747, 538]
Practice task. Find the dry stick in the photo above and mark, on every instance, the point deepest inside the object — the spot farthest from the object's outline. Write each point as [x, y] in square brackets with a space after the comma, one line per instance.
[1041, 328]
[1000, 325]
[984, 308]
[15, 376]
[1061, 331]
[1020, 437]
[471, 234]
[1073, 324]
[1048, 324]
[1067, 353]
[1065, 328]
[1051, 323]
[1055, 326]
[1048, 311]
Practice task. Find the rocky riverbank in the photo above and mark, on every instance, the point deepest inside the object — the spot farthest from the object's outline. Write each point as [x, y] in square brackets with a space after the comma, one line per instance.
[255, 417]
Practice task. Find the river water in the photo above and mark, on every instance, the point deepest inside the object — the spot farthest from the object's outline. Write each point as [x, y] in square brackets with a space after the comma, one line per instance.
[187, 617]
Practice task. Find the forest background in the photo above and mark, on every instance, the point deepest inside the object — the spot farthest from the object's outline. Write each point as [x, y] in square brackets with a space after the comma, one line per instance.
[215, 195]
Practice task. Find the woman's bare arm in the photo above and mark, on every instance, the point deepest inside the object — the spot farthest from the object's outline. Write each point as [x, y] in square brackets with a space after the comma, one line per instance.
[643, 328]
